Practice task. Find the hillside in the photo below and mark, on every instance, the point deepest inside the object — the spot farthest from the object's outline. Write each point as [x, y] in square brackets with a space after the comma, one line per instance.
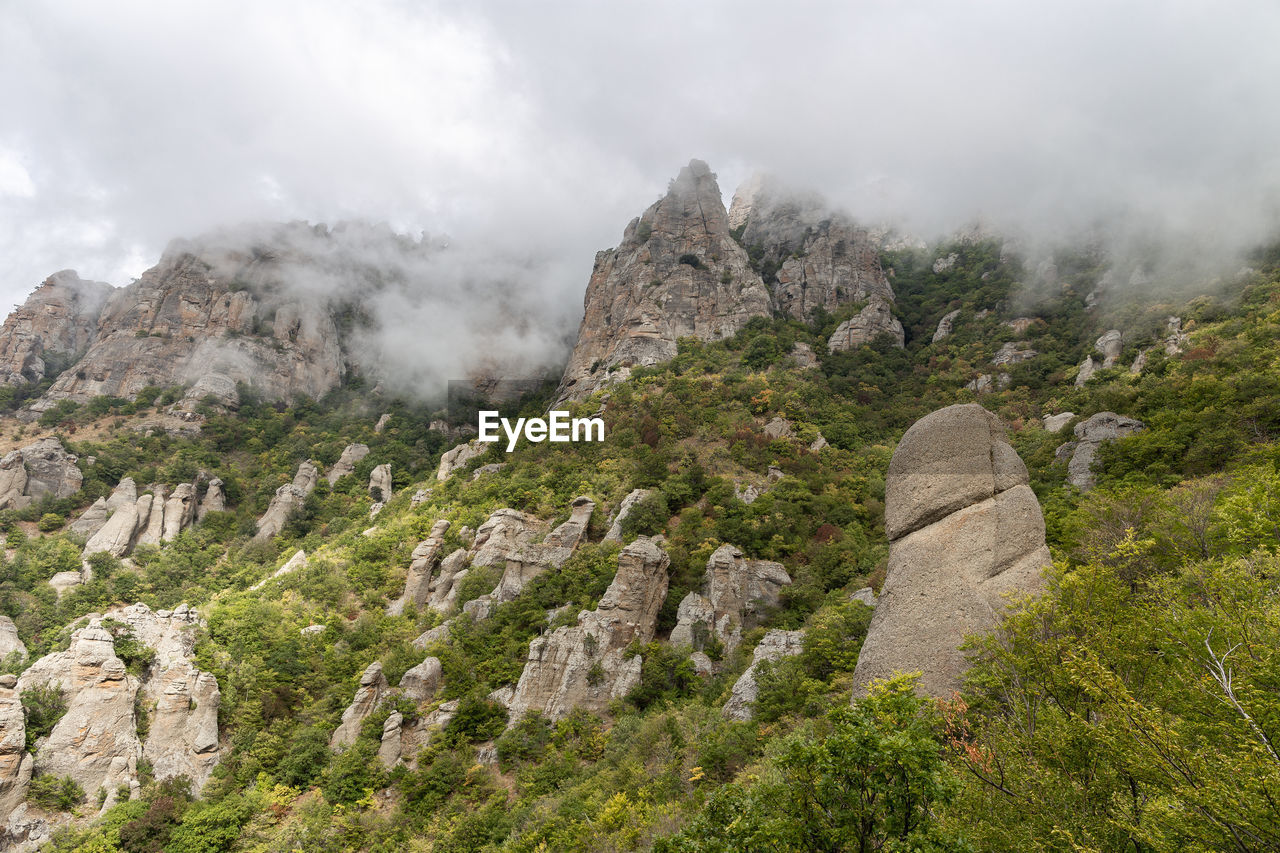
[649, 642]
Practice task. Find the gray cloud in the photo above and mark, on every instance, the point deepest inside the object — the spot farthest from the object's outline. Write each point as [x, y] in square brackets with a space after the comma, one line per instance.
[534, 132]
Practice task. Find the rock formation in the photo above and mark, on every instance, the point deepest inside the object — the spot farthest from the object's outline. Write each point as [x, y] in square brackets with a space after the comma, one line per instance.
[677, 273]
[214, 500]
[289, 498]
[736, 593]
[55, 324]
[1056, 423]
[116, 535]
[458, 457]
[442, 591]
[126, 519]
[179, 511]
[1090, 434]
[15, 763]
[40, 470]
[372, 690]
[10, 642]
[945, 325]
[96, 741]
[417, 582]
[584, 665]
[293, 564]
[1013, 352]
[624, 509]
[504, 538]
[1109, 346]
[91, 520]
[964, 529]
[351, 456]
[775, 646]
[380, 483]
[865, 326]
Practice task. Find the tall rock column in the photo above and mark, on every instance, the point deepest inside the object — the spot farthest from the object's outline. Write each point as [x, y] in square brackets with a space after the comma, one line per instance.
[964, 529]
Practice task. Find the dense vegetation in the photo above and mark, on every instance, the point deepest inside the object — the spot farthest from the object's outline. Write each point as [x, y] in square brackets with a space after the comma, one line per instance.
[1132, 707]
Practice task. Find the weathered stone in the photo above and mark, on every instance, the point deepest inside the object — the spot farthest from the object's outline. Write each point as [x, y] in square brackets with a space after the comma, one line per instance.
[1175, 338]
[803, 356]
[584, 665]
[1013, 352]
[10, 642]
[372, 690]
[15, 764]
[13, 481]
[152, 521]
[389, 749]
[865, 326]
[778, 428]
[380, 488]
[214, 500]
[677, 273]
[51, 471]
[381, 425]
[293, 564]
[288, 498]
[1086, 371]
[116, 536]
[502, 536]
[1109, 346]
[1056, 423]
[91, 520]
[775, 646]
[442, 591]
[351, 456]
[981, 384]
[866, 595]
[945, 325]
[491, 468]
[941, 265]
[422, 681]
[947, 460]
[59, 318]
[458, 457]
[438, 634]
[964, 531]
[179, 511]
[417, 582]
[624, 509]
[573, 532]
[735, 594]
[1090, 435]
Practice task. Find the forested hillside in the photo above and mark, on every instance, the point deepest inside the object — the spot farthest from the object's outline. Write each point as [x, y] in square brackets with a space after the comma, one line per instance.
[1134, 705]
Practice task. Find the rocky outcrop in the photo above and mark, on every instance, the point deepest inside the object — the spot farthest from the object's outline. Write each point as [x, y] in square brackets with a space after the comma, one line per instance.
[421, 682]
[964, 529]
[1056, 423]
[417, 582]
[15, 763]
[154, 526]
[50, 329]
[458, 457]
[677, 273]
[503, 538]
[1175, 338]
[1109, 346]
[1090, 435]
[214, 500]
[40, 470]
[116, 535]
[293, 564]
[289, 498]
[380, 483]
[179, 511]
[803, 356]
[442, 591]
[351, 456]
[775, 646]
[736, 593]
[1086, 371]
[10, 642]
[132, 519]
[96, 741]
[867, 325]
[372, 690]
[585, 665]
[614, 533]
[945, 326]
[91, 520]
[1013, 352]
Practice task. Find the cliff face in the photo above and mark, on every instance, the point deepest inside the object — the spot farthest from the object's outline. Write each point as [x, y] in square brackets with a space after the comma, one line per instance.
[681, 272]
[677, 273]
[56, 323]
[203, 316]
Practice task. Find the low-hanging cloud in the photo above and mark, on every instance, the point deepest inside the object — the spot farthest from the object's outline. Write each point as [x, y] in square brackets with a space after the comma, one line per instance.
[534, 132]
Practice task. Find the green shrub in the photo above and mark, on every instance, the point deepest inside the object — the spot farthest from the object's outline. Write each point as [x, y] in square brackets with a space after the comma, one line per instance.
[44, 706]
[55, 794]
[50, 522]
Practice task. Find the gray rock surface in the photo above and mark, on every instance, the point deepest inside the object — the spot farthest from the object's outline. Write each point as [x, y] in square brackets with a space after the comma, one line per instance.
[1056, 423]
[421, 682]
[116, 535]
[372, 690]
[458, 457]
[1090, 435]
[91, 520]
[624, 509]
[865, 326]
[58, 318]
[677, 273]
[417, 582]
[179, 511]
[775, 646]
[945, 326]
[736, 593]
[214, 500]
[351, 456]
[13, 481]
[442, 591]
[1013, 352]
[964, 529]
[380, 488]
[584, 665]
[15, 763]
[51, 471]
[1109, 346]
[10, 642]
[293, 564]
[1086, 371]
[288, 498]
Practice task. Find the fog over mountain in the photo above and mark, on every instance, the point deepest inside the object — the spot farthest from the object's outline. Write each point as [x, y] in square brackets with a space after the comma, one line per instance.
[531, 133]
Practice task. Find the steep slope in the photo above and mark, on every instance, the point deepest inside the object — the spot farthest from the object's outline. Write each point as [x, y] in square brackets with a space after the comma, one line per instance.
[56, 324]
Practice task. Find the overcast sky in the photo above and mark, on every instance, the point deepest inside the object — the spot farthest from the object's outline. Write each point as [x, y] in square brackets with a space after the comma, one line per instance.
[542, 128]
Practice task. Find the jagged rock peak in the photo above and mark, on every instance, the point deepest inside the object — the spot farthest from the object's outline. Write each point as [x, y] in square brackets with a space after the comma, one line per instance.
[735, 593]
[56, 323]
[964, 530]
[677, 273]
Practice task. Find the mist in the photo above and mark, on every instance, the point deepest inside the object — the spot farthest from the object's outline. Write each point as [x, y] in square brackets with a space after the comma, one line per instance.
[530, 134]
